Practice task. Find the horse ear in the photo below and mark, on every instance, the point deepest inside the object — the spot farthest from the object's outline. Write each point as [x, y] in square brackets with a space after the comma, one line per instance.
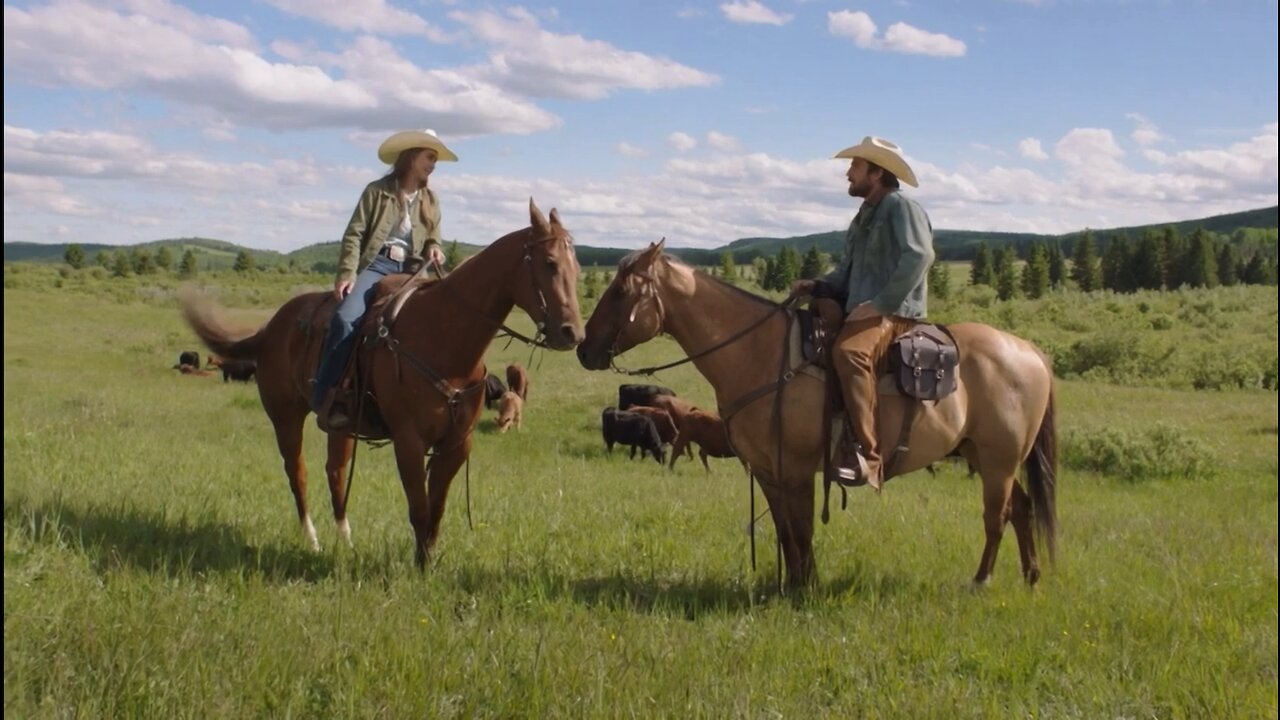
[647, 258]
[537, 220]
[555, 217]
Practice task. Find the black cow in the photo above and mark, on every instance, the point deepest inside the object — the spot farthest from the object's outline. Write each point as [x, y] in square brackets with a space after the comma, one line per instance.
[493, 389]
[190, 357]
[632, 429]
[629, 395]
[242, 370]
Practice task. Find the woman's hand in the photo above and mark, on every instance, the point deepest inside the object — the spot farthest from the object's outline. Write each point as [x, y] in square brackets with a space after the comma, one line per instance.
[435, 256]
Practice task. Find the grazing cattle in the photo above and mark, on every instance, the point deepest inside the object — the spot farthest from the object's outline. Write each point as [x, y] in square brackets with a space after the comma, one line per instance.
[510, 411]
[518, 380]
[632, 429]
[629, 395]
[493, 389]
[667, 429]
[678, 409]
[708, 431]
[189, 357]
[241, 370]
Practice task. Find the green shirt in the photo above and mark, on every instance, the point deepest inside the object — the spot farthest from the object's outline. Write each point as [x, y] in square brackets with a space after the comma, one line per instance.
[887, 253]
[376, 213]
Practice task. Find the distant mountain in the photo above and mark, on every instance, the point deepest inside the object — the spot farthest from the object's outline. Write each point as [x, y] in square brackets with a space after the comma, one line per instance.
[950, 245]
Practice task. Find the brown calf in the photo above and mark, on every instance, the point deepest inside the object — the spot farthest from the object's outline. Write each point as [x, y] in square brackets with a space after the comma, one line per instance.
[510, 411]
[518, 380]
[708, 431]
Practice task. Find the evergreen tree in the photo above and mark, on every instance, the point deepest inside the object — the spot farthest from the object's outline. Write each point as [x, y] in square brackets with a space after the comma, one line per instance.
[1007, 276]
[1057, 265]
[1147, 262]
[188, 266]
[164, 258]
[74, 256]
[1255, 271]
[812, 266]
[143, 263]
[1200, 269]
[728, 270]
[1035, 274]
[1004, 257]
[1175, 250]
[591, 288]
[981, 272]
[1084, 264]
[244, 262]
[120, 266]
[939, 282]
[103, 259]
[788, 267]
[452, 256]
[1116, 265]
[1228, 265]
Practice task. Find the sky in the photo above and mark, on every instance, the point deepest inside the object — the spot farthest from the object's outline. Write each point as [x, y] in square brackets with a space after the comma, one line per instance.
[258, 122]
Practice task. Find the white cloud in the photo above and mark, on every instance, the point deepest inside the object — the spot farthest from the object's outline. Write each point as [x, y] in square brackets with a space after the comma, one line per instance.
[535, 62]
[204, 27]
[72, 43]
[1030, 148]
[753, 12]
[688, 13]
[626, 149]
[682, 141]
[721, 141]
[120, 187]
[370, 16]
[899, 37]
[1145, 132]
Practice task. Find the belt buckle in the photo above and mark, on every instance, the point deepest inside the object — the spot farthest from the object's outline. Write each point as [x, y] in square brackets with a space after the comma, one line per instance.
[396, 253]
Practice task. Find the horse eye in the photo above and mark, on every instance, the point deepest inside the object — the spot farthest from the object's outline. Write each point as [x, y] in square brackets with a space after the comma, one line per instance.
[551, 265]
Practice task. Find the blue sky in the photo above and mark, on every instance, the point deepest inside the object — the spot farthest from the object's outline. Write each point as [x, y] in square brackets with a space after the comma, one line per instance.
[702, 122]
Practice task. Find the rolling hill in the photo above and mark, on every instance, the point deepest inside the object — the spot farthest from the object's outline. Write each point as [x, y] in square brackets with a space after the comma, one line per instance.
[950, 244]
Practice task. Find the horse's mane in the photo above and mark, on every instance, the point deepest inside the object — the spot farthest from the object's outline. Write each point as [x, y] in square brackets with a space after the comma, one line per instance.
[628, 260]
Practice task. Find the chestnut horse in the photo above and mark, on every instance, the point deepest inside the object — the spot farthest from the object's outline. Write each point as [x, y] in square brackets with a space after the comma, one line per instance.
[1000, 417]
[435, 346]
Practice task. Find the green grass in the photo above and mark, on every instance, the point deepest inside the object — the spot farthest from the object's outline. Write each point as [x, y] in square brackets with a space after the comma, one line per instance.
[154, 566]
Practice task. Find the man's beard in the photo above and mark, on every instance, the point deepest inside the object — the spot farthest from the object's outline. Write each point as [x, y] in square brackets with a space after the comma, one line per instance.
[857, 190]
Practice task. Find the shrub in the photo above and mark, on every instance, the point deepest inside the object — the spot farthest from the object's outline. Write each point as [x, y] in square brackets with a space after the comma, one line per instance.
[1160, 452]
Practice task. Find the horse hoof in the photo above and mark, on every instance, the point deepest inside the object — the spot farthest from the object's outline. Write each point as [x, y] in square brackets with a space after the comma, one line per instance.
[344, 531]
[1032, 576]
[977, 586]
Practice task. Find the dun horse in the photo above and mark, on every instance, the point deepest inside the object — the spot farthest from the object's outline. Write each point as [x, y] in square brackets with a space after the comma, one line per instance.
[1000, 418]
[427, 375]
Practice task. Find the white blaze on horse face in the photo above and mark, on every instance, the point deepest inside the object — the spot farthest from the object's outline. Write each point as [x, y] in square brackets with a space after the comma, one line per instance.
[309, 531]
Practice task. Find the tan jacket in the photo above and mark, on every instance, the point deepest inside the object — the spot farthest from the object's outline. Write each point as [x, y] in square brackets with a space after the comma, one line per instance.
[375, 213]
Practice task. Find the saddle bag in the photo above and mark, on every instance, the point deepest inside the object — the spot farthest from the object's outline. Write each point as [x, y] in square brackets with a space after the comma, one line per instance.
[923, 360]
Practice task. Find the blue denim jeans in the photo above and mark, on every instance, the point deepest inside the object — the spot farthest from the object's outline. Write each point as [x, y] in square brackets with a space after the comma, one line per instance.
[339, 341]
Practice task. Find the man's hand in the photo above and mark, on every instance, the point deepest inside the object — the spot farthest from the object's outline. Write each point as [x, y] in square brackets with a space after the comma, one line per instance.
[802, 287]
[862, 311]
[342, 287]
[435, 256]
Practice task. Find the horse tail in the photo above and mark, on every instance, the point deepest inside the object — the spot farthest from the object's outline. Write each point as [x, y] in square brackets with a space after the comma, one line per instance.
[1042, 476]
[228, 343]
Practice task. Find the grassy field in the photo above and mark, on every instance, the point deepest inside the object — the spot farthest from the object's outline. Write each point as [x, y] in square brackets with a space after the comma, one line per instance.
[154, 566]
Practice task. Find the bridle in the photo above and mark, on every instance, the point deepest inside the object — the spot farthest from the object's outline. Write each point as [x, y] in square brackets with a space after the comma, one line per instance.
[650, 290]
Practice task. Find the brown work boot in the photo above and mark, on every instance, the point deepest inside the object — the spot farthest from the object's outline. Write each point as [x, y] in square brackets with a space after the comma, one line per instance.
[848, 465]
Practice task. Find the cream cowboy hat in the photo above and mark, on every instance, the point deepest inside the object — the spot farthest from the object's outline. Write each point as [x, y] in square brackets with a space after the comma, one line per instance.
[401, 141]
[883, 153]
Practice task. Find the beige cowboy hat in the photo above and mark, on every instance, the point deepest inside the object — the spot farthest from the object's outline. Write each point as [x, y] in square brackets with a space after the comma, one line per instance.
[883, 153]
[401, 141]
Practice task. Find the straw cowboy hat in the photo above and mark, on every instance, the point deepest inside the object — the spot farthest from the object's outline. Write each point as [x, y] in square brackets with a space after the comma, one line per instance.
[401, 141]
[883, 153]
